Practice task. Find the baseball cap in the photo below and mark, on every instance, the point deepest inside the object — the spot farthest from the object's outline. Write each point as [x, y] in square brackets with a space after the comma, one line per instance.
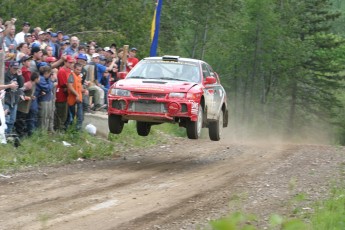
[65, 37]
[69, 58]
[82, 56]
[14, 64]
[95, 55]
[39, 65]
[50, 59]
[35, 49]
[107, 49]
[102, 58]
[27, 35]
[25, 58]
[58, 32]
[134, 49]
[54, 35]
[41, 32]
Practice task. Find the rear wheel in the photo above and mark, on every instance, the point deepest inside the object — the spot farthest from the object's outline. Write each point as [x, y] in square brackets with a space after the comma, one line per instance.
[143, 128]
[115, 123]
[194, 127]
[215, 128]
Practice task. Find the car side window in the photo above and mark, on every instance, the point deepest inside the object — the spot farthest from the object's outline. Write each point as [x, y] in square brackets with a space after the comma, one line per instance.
[212, 73]
[205, 71]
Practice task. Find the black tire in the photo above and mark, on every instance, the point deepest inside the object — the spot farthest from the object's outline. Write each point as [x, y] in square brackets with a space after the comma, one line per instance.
[115, 123]
[143, 128]
[194, 127]
[215, 128]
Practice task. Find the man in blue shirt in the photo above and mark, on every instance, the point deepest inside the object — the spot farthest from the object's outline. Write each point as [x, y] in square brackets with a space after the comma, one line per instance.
[100, 71]
[73, 48]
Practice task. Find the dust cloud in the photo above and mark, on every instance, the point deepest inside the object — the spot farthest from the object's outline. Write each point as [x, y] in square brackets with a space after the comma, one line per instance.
[316, 134]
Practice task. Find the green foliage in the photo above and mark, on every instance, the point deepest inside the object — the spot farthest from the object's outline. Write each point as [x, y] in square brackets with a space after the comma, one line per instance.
[236, 221]
[330, 214]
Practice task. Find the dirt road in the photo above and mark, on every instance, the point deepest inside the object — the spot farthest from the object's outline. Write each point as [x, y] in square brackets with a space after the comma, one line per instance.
[181, 185]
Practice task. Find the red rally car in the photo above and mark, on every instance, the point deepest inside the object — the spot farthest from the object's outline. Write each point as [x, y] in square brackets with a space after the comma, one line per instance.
[169, 89]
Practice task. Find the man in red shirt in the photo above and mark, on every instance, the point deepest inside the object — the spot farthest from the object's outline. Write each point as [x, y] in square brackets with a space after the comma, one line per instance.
[132, 60]
[61, 107]
[26, 73]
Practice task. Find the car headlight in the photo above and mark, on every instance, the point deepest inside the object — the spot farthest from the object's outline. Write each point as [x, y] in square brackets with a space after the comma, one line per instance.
[177, 95]
[120, 92]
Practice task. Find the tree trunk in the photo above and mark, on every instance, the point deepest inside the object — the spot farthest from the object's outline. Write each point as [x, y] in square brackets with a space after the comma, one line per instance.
[205, 38]
[292, 113]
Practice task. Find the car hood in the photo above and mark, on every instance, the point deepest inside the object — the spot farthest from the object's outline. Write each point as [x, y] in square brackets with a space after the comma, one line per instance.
[154, 85]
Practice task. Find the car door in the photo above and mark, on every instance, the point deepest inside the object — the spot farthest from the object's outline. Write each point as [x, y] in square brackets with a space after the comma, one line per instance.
[214, 93]
[208, 93]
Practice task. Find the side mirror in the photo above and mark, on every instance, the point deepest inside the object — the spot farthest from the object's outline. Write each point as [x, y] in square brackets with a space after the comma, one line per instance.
[122, 75]
[210, 80]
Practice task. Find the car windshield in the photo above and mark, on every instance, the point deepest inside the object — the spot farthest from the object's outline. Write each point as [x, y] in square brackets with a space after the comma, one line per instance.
[165, 70]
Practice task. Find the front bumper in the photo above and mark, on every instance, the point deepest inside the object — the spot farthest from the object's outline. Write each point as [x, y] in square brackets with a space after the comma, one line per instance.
[152, 109]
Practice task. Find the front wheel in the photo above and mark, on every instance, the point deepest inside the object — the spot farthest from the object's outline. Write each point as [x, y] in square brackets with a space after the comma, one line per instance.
[143, 128]
[215, 128]
[194, 127]
[115, 123]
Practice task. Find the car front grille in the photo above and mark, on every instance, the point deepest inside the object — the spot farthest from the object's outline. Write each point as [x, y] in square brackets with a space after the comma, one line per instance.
[147, 106]
[148, 95]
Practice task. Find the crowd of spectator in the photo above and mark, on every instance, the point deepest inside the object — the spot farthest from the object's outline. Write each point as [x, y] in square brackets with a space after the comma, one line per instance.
[52, 79]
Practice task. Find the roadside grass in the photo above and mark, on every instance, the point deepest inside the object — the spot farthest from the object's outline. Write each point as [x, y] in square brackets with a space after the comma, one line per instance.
[324, 215]
[43, 149]
[321, 215]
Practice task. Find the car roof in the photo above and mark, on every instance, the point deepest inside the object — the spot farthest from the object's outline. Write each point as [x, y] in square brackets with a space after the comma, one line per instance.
[177, 58]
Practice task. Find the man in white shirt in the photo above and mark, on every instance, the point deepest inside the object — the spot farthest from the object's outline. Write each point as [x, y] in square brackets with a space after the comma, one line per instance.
[20, 36]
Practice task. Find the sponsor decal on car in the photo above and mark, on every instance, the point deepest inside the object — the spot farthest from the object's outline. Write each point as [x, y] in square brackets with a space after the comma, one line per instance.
[194, 108]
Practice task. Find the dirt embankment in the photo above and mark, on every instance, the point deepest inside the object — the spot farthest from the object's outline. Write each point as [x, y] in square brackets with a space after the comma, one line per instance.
[181, 185]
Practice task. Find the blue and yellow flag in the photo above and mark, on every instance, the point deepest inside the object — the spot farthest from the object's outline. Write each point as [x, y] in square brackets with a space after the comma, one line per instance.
[155, 28]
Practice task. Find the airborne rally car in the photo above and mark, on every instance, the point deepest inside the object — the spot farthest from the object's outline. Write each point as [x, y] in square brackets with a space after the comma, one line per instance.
[169, 89]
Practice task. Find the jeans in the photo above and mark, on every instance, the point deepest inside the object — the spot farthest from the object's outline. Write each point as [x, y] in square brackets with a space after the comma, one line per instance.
[79, 113]
[11, 117]
[31, 121]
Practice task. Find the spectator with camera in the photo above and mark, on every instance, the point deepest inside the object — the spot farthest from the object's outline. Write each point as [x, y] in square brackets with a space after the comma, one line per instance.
[12, 97]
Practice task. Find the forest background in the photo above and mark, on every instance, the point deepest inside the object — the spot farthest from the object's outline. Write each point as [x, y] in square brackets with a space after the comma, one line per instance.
[281, 61]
